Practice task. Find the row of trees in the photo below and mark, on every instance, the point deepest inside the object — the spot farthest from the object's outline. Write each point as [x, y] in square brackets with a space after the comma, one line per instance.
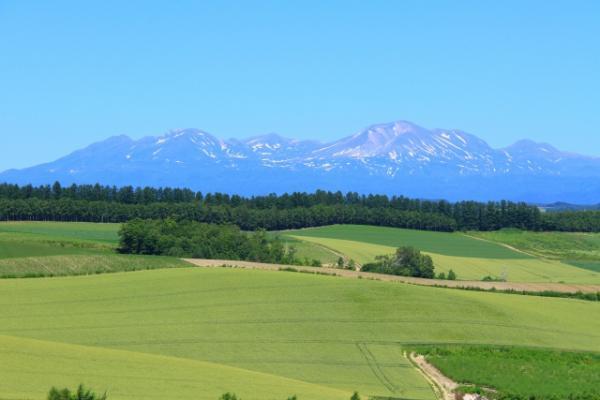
[242, 216]
[96, 203]
[199, 240]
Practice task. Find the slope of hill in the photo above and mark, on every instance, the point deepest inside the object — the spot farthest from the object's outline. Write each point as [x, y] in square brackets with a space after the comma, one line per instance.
[196, 333]
[394, 158]
[471, 258]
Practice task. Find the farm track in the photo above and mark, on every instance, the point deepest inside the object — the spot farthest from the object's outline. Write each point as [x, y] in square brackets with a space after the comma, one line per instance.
[500, 286]
[443, 386]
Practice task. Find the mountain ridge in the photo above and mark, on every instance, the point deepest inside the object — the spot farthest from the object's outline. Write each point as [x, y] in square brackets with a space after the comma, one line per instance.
[399, 157]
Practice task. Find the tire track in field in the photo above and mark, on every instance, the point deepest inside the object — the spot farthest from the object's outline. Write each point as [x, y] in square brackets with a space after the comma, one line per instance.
[376, 368]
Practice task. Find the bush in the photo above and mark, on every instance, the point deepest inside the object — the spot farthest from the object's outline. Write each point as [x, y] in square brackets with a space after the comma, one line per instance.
[451, 275]
[81, 394]
[407, 261]
[229, 396]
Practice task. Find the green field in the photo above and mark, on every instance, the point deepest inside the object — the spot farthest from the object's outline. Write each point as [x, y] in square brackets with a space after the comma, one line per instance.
[78, 232]
[471, 258]
[32, 249]
[194, 333]
[518, 371]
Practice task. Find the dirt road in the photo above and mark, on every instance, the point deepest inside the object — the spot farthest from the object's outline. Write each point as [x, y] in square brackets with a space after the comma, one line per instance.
[532, 287]
[443, 386]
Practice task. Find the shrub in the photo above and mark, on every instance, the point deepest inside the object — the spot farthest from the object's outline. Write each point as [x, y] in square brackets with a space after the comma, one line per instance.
[407, 261]
[81, 394]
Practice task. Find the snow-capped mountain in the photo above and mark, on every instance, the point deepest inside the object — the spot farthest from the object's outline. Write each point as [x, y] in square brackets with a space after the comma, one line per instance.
[394, 158]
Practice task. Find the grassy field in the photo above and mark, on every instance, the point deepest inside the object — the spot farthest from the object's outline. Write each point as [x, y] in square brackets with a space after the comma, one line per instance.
[33, 249]
[193, 333]
[581, 250]
[557, 245]
[306, 250]
[470, 258]
[518, 371]
[80, 232]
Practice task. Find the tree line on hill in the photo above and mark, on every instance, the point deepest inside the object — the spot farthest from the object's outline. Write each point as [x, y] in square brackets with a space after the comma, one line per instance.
[96, 203]
[199, 240]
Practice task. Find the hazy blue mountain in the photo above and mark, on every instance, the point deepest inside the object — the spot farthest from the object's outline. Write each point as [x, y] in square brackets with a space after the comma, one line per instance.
[394, 158]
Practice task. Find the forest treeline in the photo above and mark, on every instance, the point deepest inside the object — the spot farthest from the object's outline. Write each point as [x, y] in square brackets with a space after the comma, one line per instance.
[97, 203]
[199, 240]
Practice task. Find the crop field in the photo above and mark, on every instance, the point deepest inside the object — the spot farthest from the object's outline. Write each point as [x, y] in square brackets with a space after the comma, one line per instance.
[79, 232]
[32, 249]
[194, 333]
[306, 250]
[471, 258]
[581, 250]
[518, 371]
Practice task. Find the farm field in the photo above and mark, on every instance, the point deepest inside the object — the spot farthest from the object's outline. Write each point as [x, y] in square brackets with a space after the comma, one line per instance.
[517, 371]
[73, 232]
[175, 332]
[32, 249]
[470, 258]
[574, 248]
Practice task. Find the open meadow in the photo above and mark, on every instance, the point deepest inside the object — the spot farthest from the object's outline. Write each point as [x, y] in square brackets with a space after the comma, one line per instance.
[32, 249]
[286, 333]
[195, 333]
[471, 258]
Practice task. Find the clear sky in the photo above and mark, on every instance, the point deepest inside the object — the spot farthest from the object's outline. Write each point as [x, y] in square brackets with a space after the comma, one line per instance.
[72, 73]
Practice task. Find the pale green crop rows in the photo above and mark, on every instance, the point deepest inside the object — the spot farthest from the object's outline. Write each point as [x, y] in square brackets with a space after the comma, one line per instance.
[470, 258]
[315, 336]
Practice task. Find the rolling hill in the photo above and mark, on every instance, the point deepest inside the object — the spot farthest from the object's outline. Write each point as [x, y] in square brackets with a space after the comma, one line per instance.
[470, 257]
[195, 333]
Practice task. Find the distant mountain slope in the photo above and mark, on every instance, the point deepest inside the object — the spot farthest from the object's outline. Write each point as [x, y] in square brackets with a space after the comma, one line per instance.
[394, 158]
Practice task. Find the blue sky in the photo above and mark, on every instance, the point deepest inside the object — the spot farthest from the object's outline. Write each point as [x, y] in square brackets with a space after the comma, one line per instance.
[76, 72]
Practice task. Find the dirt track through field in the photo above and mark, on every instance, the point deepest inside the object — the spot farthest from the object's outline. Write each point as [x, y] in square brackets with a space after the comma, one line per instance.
[500, 286]
[443, 386]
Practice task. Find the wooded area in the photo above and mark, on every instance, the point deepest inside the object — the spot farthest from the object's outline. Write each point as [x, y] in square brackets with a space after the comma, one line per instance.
[96, 203]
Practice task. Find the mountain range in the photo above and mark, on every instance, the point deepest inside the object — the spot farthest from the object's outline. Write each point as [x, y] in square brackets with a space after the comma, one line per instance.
[399, 158]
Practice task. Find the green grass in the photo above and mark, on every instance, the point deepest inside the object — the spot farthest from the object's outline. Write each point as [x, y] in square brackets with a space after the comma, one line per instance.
[451, 244]
[470, 258]
[29, 366]
[518, 371]
[34, 249]
[557, 245]
[589, 265]
[309, 250]
[193, 333]
[82, 264]
[64, 231]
